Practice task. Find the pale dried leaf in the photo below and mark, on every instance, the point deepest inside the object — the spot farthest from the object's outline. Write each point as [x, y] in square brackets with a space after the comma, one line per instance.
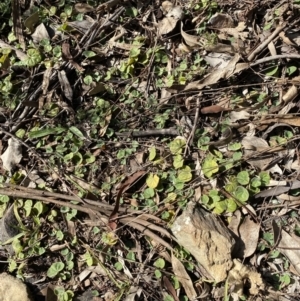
[288, 245]
[40, 33]
[46, 80]
[252, 148]
[221, 21]
[189, 39]
[286, 108]
[82, 25]
[183, 277]
[166, 6]
[166, 25]
[182, 49]
[219, 60]
[235, 116]
[134, 293]
[176, 12]
[65, 85]
[12, 155]
[20, 54]
[215, 76]
[278, 190]
[83, 7]
[290, 94]
[249, 234]
[272, 48]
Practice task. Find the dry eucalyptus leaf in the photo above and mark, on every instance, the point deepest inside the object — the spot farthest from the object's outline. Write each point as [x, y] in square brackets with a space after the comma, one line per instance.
[12, 155]
[277, 190]
[272, 48]
[221, 21]
[249, 234]
[236, 32]
[183, 277]
[166, 25]
[252, 147]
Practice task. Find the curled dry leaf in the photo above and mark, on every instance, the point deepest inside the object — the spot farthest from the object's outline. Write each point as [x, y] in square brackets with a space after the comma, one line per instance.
[221, 21]
[166, 6]
[290, 94]
[166, 25]
[189, 39]
[12, 155]
[240, 273]
[82, 26]
[176, 12]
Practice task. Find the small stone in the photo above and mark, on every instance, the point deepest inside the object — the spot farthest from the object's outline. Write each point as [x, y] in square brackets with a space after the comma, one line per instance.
[207, 239]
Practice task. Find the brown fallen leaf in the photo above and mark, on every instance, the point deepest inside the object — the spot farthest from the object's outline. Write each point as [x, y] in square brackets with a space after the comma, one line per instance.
[219, 20]
[288, 245]
[170, 288]
[215, 76]
[278, 190]
[214, 109]
[183, 277]
[189, 39]
[166, 25]
[83, 7]
[126, 185]
[249, 234]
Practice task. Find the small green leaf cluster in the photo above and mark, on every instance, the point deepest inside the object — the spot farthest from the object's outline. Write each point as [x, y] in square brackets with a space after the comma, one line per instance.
[65, 146]
[63, 295]
[60, 269]
[240, 187]
[215, 162]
